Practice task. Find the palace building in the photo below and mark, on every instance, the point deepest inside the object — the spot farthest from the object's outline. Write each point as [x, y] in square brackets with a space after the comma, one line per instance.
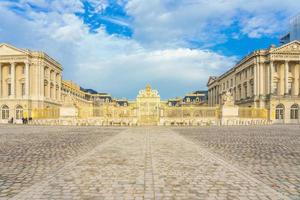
[31, 82]
[263, 87]
[31, 86]
[267, 79]
[28, 79]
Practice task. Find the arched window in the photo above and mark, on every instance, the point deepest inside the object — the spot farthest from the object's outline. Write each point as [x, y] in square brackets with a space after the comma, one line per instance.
[295, 111]
[280, 111]
[4, 112]
[19, 112]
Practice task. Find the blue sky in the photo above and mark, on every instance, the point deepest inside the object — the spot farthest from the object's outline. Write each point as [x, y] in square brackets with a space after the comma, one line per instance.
[119, 46]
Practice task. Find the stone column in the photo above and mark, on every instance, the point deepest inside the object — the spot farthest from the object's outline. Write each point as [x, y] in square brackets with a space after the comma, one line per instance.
[13, 79]
[297, 79]
[209, 98]
[59, 87]
[54, 87]
[271, 70]
[216, 95]
[255, 79]
[42, 82]
[27, 79]
[0, 80]
[49, 83]
[213, 96]
[286, 77]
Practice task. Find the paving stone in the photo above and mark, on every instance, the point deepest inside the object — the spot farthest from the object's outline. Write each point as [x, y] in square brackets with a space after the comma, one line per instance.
[149, 163]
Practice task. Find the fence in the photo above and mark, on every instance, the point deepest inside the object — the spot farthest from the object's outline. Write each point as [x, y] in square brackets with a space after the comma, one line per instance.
[186, 112]
[253, 113]
[44, 113]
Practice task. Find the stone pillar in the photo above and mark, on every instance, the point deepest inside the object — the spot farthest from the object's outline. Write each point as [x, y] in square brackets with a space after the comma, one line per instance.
[262, 80]
[27, 79]
[255, 79]
[286, 77]
[49, 83]
[54, 87]
[42, 81]
[209, 97]
[213, 96]
[271, 70]
[0, 80]
[13, 79]
[59, 87]
[297, 79]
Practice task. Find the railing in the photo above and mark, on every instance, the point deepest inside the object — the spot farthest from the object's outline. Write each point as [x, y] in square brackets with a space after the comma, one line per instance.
[185, 112]
[253, 113]
[43, 113]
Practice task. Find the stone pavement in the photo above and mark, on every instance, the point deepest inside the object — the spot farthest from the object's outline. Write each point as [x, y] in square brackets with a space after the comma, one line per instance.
[135, 163]
[270, 154]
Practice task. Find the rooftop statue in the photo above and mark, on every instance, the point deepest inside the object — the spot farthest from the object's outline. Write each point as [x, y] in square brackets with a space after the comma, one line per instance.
[148, 92]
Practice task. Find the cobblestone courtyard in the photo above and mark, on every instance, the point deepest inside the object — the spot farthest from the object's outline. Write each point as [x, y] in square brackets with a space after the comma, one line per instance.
[149, 163]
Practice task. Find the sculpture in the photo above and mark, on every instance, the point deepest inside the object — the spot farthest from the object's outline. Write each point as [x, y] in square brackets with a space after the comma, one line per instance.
[228, 99]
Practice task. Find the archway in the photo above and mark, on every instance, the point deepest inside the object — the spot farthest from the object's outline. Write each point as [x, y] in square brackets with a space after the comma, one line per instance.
[4, 112]
[279, 113]
[294, 113]
[19, 112]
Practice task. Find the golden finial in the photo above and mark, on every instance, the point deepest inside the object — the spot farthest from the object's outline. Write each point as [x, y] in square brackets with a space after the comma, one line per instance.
[148, 88]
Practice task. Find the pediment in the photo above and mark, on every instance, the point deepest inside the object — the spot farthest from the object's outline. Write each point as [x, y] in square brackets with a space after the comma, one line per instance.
[8, 50]
[292, 47]
[211, 80]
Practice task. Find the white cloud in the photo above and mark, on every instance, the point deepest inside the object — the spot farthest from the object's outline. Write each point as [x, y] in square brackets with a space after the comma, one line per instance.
[157, 54]
[107, 62]
[173, 23]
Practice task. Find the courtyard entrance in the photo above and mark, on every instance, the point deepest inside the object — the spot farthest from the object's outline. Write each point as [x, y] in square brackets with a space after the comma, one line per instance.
[148, 103]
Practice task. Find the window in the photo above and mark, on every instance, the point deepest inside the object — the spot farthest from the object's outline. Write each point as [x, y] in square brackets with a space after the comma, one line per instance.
[295, 111]
[9, 70]
[4, 112]
[227, 84]
[279, 114]
[275, 89]
[245, 73]
[231, 82]
[252, 71]
[19, 112]
[23, 89]
[246, 92]
[252, 89]
[290, 68]
[290, 86]
[275, 68]
[9, 89]
[23, 70]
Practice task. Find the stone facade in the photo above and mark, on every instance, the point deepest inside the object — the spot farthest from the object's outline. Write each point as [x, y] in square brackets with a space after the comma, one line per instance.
[266, 79]
[28, 79]
[32, 87]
